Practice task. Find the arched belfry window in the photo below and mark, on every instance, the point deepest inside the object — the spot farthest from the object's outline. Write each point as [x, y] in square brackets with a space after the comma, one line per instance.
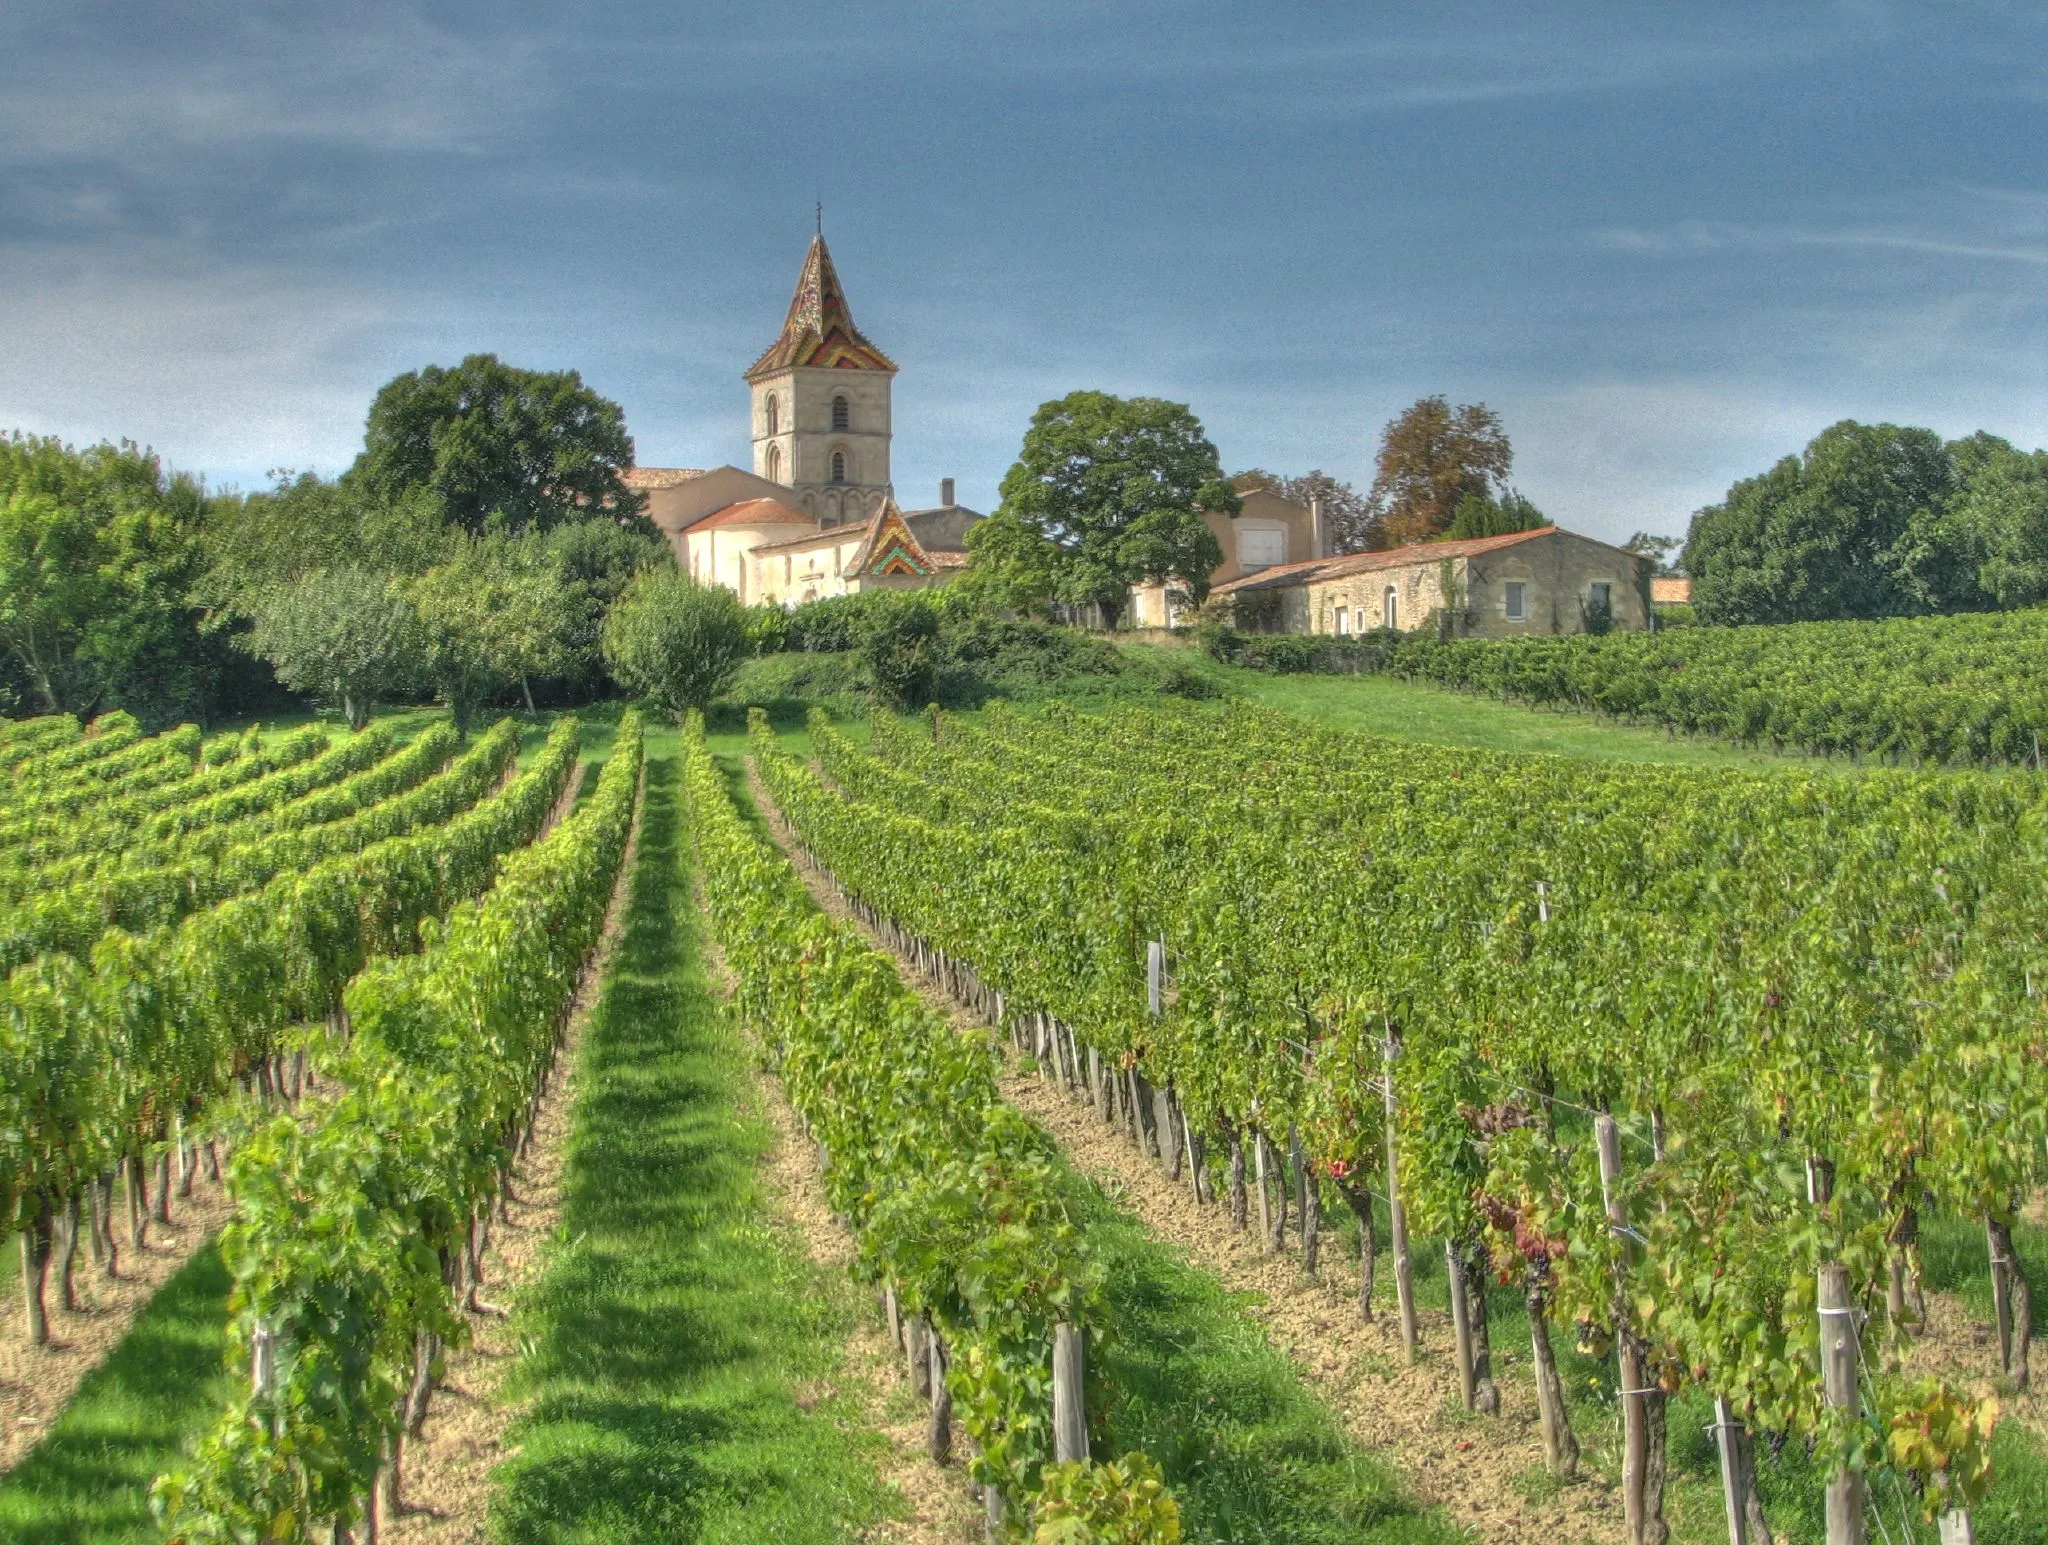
[774, 415]
[839, 466]
[774, 458]
[842, 414]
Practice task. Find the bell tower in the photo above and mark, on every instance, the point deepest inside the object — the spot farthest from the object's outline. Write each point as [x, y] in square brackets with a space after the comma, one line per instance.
[821, 403]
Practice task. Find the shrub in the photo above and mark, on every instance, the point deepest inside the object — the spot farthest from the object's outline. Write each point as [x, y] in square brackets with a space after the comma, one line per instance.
[897, 642]
[675, 640]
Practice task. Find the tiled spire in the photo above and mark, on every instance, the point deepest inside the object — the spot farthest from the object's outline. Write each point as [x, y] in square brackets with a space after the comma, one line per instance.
[819, 333]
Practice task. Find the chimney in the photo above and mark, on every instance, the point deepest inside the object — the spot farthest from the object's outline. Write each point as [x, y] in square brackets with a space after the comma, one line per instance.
[946, 492]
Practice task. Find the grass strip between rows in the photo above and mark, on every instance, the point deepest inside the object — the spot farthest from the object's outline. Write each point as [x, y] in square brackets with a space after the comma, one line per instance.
[678, 1343]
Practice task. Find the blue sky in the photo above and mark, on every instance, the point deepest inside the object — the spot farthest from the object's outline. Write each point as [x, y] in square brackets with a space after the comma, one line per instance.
[1668, 243]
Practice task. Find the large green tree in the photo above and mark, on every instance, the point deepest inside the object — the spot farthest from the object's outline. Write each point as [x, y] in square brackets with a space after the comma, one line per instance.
[1115, 488]
[500, 446]
[1853, 528]
[99, 555]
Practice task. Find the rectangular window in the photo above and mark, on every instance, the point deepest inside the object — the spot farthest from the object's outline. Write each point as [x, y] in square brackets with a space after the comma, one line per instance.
[1261, 549]
[1343, 619]
[1517, 604]
[1601, 597]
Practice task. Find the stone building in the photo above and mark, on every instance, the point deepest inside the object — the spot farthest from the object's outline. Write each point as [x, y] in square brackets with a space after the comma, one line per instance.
[1528, 582]
[817, 515]
[1267, 532]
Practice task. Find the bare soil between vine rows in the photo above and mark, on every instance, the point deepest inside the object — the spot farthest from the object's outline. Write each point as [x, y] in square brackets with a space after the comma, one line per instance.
[36, 1383]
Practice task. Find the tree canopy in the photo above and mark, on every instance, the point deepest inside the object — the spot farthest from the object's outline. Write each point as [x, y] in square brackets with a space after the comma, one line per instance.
[1109, 492]
[1431, 460]
[1480, 515]
[99, 550]
[500, 445]
[1875, 520]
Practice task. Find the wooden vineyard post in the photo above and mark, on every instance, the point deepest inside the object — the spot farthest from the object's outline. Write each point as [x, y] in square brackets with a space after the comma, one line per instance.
[1461, 1321]
[1237, 1218]
[1069, 1416]
[893, 1315]
[1163, 1128]
[1734, 1484]
[1397, 1213]
[1838, 1378]
[2001, 1298]
[1635, 1427]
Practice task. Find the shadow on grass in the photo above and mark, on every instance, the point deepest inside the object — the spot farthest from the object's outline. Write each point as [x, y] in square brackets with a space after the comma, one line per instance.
[135, 1416]
[663, 1351]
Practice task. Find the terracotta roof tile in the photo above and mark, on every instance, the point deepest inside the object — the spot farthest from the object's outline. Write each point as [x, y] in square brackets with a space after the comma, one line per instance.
[1309, 570]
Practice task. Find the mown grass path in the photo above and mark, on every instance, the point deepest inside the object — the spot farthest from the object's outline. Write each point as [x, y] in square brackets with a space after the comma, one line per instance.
[678, 1352]
[87, 1482]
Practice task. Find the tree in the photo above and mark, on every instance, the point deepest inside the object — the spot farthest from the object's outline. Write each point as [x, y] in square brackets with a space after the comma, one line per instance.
[519, 448]
[674, 640]
[50, 592]
[99, 557]
[1656, 549]
[597, 560]
[1853, 528]
[343, 636]
[1350, 519]
[303, 522]
[1433, 458]
[2001, 512]
[1012, 567]
[1480, 515]
[1118, 488]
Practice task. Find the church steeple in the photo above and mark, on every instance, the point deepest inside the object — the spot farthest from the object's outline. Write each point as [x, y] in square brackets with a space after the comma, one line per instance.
[819, 331]
[821, 402]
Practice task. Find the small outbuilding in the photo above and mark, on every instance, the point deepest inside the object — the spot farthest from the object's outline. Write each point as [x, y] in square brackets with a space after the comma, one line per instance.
[1528, 582]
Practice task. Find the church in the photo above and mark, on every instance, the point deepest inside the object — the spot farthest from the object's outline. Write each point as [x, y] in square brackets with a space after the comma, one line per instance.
[817, 516]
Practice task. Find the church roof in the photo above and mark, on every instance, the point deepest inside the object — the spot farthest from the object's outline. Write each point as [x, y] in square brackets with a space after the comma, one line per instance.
[755, 512]
[819, 333]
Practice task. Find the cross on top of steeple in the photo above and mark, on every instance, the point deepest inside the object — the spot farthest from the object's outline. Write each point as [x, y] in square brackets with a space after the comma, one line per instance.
[819, 331]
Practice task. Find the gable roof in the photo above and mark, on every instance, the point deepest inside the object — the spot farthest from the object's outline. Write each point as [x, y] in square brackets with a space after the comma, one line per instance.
[1309, 570]
[754, 512]
[819, 331]
[891, 547]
